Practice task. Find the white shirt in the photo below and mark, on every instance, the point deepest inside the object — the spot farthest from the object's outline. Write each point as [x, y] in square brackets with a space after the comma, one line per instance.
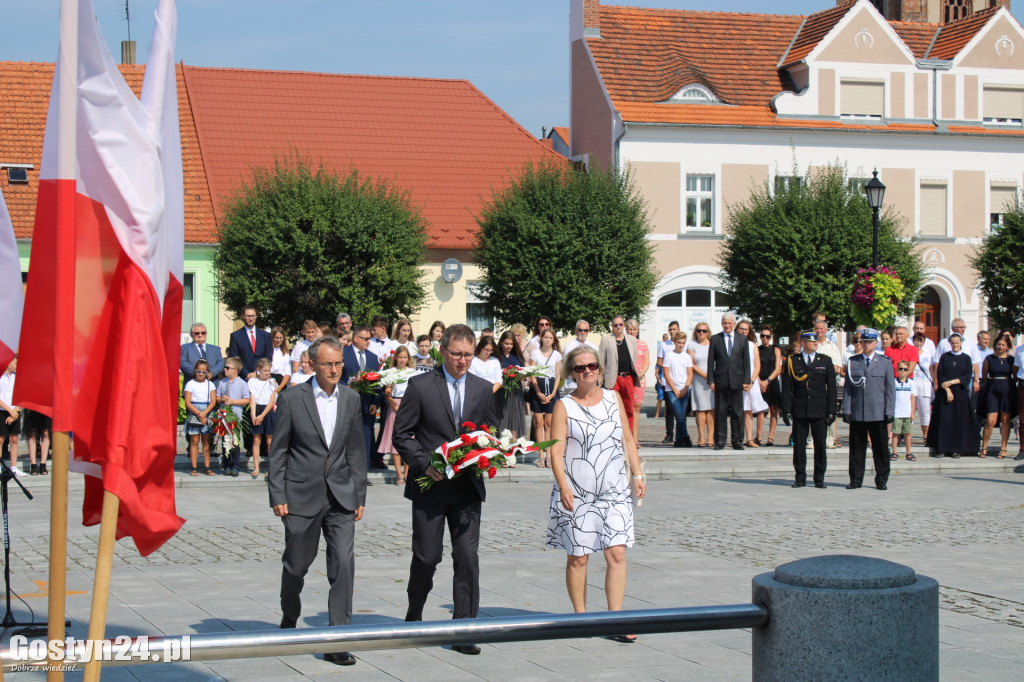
[1018, 360]
[7, 389]
[300, 378]
[903, 392]
[281, 363]
[382, 348]
[808, 358]
[570, 385]
[300, 347]
[551, 362]
[262, 391]
[327, 406]
[927, 347]
[200, 390]
[450, 381]
[489, 370]
[675, 365]
[830, 350]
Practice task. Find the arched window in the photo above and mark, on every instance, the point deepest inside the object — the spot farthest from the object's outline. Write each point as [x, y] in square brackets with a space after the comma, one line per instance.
[953, 10]
[694, 93]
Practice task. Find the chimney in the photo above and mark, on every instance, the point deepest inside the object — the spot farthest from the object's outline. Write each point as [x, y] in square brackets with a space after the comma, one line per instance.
[592, 18]
[127, 51]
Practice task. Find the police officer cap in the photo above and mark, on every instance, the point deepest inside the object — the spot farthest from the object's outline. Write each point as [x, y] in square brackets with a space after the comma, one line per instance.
[868, 334]
[810, 334]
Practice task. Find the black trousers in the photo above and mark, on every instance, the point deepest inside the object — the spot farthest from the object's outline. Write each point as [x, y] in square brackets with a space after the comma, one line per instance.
[462, 515]
[818, 430]
[860, 432]
[726, 400]
[301, 542]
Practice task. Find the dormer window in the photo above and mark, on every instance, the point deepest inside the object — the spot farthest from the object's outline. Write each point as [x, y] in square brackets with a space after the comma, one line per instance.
[694, 93]
[861, 100]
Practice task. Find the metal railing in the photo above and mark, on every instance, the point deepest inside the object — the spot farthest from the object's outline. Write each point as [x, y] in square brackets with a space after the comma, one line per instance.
[251, 644]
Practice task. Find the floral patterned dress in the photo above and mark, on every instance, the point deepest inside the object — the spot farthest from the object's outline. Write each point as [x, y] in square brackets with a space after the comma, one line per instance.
[595, 464]
[641, 360]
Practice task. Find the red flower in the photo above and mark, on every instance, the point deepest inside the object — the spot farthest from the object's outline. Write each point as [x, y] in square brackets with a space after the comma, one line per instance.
[483, 427]
[466, 438]
[371, 376]
[469, 426]
[491, 472]
[483, 462]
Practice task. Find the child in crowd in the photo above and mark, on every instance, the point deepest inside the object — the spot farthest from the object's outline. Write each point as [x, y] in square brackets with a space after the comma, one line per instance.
[35, 429]
[401, 359]
[10, 416]
[305, 372]
[423, 361]
[345, 339]
[200, 401]
[903, 422]
[677, 367]
[233, 391]
[262, 396]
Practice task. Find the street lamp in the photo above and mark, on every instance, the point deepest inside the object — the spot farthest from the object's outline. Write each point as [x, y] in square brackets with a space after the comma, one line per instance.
[875, 191]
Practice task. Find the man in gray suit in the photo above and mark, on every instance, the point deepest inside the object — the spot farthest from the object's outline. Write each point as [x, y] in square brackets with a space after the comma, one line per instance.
[317, 479]
[869, 403]
[729, 377]
[198, 349]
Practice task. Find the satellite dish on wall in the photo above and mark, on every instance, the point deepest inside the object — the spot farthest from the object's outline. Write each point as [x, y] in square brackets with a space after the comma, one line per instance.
[451, 270]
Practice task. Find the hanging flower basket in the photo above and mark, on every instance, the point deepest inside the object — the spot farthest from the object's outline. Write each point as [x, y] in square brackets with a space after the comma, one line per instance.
[876, 297]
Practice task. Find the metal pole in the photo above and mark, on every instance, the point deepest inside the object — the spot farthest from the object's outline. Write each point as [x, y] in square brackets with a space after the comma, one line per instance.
[211, 647]
[874, 245]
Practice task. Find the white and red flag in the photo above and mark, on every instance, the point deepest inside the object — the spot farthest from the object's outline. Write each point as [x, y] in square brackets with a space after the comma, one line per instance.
[104, 291]
[11, 294]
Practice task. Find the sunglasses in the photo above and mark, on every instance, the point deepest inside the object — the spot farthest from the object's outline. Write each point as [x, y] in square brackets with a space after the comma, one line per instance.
[701, 331]
[766, 336]
[592, 366]
[585, 331]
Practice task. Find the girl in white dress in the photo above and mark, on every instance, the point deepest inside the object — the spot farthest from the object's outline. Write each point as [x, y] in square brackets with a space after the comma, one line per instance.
[591, 504]
[753, 401]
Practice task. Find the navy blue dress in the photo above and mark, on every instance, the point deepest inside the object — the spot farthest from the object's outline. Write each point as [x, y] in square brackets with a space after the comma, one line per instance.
[954, 427]
[999, 394]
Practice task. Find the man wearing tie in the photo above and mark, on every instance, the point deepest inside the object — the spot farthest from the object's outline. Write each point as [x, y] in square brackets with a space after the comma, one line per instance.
[250, 344]
[434, 407]
[869, 403]
[809, 397]
[197, 350]
[728, 376]
[359, 359]
[317, 481]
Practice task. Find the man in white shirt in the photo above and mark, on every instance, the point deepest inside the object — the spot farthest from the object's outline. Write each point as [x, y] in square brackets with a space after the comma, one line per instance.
[343, 324]
[311, 332]
[1018, 365]
[663, 348]
[830, 350]
[582, 331]
[984, 349]
[380, 344]
[929, 345]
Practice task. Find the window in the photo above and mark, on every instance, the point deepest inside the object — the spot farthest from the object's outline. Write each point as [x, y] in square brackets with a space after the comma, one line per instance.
[1000, 199]
[17, 175]
[861, 100]
[856, 185]
[700, 200]
[933, 210]
[1003, 106]
[188, 303]
[952, 10]
[691, 306]
[476, 315]
[784, 182]
[694, 93]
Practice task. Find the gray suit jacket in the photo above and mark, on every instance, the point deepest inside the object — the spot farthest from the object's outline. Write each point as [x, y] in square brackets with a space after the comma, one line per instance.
[301, 467]
[869, 393]
[189, 356]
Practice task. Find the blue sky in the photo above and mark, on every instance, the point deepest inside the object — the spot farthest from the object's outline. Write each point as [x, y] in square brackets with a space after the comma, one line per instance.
[515, 51]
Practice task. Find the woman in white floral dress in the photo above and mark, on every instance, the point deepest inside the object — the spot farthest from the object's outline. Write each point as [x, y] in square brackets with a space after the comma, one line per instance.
[593, 462]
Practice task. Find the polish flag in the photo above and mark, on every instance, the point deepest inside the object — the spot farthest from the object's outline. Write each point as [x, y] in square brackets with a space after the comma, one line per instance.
[11, 296]
[104, 289]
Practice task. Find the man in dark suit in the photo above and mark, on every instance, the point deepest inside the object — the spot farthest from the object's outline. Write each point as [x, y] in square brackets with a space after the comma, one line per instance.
[869, 403]
[729, 376]
[197, 350]
[250, 344]
[434, 407]
[317, 476]
[358, 359]
[809, 397]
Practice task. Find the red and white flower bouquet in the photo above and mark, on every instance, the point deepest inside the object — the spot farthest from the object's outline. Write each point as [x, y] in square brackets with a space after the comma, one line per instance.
[366, 382]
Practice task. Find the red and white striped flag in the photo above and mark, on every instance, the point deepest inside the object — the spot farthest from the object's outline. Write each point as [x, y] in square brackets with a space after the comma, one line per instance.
[11, 294]
[103, 361]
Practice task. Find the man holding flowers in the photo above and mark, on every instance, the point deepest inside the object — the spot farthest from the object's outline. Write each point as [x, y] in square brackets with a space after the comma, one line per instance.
[435, 406]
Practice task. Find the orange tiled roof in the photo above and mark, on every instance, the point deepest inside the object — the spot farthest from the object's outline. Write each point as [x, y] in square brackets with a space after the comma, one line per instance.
[813, 30]
[955, 35]
[916, 36]
[563, 133]
[442, 140]
[24, 99]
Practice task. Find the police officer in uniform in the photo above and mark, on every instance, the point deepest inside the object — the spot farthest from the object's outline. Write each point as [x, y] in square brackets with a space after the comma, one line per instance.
[869, 401]
[809, 399]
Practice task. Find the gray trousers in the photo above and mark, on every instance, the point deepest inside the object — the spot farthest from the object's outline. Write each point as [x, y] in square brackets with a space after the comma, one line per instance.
[301, 541]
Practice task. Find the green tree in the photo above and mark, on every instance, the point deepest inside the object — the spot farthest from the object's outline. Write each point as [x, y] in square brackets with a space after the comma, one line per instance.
[797, 250]
[1000, 265]
[565, 243]
[300, 244]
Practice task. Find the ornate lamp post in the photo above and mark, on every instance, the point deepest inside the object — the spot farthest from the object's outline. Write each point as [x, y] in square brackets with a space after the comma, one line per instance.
[875, 191]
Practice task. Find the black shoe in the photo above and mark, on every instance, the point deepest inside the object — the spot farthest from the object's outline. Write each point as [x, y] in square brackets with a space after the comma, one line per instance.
[34, 470]
[468, 649]
[798, 485]
[369, 483]
[379, 464]
[852, 487]
[1020, 455]
[667, 439]
[679, 444]
[955, 455]
[687, 443]
[286, 624]
[737, 447]
[719, 447]
[882, 487]
[820, 485]
[340, 658]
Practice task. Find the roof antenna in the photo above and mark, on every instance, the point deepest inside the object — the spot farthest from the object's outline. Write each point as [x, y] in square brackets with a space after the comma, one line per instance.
[128, 19]
[128, 46]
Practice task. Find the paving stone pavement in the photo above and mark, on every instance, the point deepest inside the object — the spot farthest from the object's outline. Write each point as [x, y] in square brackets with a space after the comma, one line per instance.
[699, 542]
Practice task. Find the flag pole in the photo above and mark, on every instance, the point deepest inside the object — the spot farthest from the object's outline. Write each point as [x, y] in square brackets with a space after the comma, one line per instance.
[101, 584]
[67, 114]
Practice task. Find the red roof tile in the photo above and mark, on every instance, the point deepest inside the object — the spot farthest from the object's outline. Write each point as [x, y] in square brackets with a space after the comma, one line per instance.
[813, 30]
[563, 133]
[955, 35]
[24, 99]
[916, 36]
[442, 140]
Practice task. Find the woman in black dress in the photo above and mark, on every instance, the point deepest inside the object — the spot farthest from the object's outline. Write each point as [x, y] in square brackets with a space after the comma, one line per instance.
[997, 402]
[511, 407]
[771, 368]
[954, 429]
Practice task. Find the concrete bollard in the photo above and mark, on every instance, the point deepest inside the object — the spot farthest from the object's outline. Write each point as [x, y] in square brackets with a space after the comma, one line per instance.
[845, 617]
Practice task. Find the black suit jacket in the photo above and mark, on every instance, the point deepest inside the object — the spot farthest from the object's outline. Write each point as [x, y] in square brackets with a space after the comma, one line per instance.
[351, 370]
[725, 371]
[301, 466]
[425, 420]
[813, 397]
[241, 347]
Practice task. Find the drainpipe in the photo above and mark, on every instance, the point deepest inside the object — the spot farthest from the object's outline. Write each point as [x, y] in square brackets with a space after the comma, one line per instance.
[936, 65]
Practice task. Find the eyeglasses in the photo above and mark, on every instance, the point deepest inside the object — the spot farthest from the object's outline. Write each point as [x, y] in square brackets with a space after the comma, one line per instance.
[363, 338]
[330, 365]
[584, 331]
[591, 366]
[459, 356]
[198, 333]
[617, 324]
[543, 324]
[766, 336]
[904, 369]
[201, 371]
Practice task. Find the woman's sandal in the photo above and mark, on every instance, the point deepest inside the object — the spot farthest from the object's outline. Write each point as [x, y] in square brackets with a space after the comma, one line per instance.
[770, 443]
[758, 441]
[983, 453]
[194, 473]
[400, 481]
[209, 472]
[625, 639]
[1002, 454]
[911, 458]
[255, 474]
